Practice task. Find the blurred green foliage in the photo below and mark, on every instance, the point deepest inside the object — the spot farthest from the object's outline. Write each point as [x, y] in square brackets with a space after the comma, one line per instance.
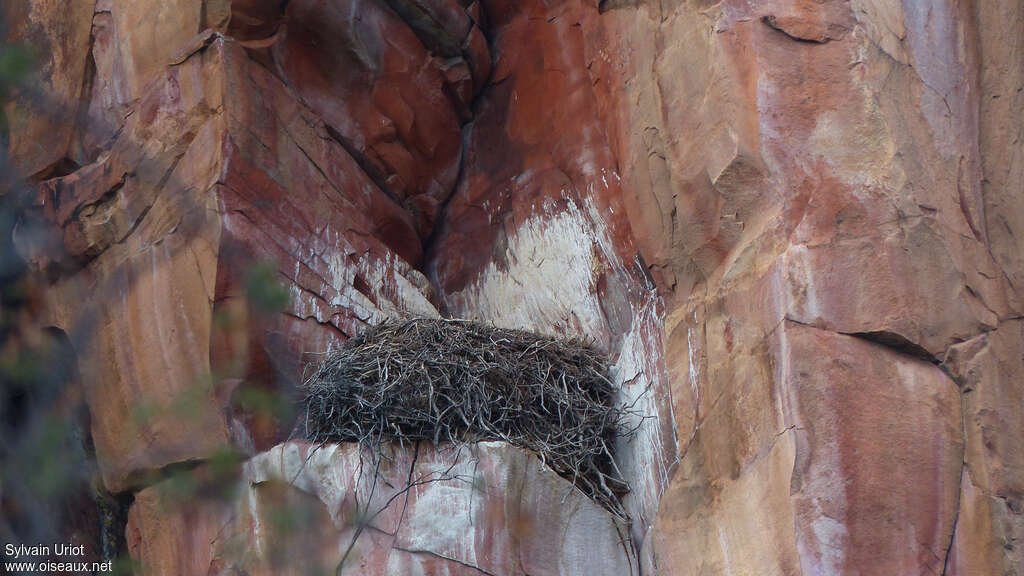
[263, 291]
[262, 402]
[22, 369]
[16, 66]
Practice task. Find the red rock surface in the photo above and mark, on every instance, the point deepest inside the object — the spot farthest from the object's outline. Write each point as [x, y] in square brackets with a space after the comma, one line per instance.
[990, 520]
[795, 227]
[820, 165]
[41, 119]
[536, 235]
[194, 152]
[391, 102]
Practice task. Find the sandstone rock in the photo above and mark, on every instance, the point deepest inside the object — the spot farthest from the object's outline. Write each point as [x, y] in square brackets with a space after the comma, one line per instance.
[495, 509]
[170, 220]
[41, 118]
[487, 508]
[811, 163]
[254, 19]
[849, 451]
[109, 97]
[536, 235]
[169, 531]
[142, 221]
[1001, 70]
[796, 471]
[150, 36]
[383, 95]
[133, 42]
[792, 226]
[837, 152]
[344, 250]
[991, 522]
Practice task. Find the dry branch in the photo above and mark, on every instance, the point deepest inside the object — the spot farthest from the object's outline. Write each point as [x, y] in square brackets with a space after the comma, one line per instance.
[460, 381]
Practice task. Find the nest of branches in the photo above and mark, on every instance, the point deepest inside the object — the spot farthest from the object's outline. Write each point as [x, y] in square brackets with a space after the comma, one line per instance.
[459, 381]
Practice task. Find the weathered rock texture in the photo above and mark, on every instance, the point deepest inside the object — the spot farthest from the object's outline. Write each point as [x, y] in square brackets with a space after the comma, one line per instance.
[819, 181]
[795, 227]
[489, 508]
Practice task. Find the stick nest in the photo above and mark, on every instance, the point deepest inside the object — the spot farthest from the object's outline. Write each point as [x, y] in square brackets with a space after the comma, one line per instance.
[460, 381]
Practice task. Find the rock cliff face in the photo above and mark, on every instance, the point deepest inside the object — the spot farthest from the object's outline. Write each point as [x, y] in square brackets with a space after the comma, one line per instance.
[796, 227]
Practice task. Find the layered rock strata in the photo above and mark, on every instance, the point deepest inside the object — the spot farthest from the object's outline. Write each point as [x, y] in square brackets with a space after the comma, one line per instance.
[794, 227]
